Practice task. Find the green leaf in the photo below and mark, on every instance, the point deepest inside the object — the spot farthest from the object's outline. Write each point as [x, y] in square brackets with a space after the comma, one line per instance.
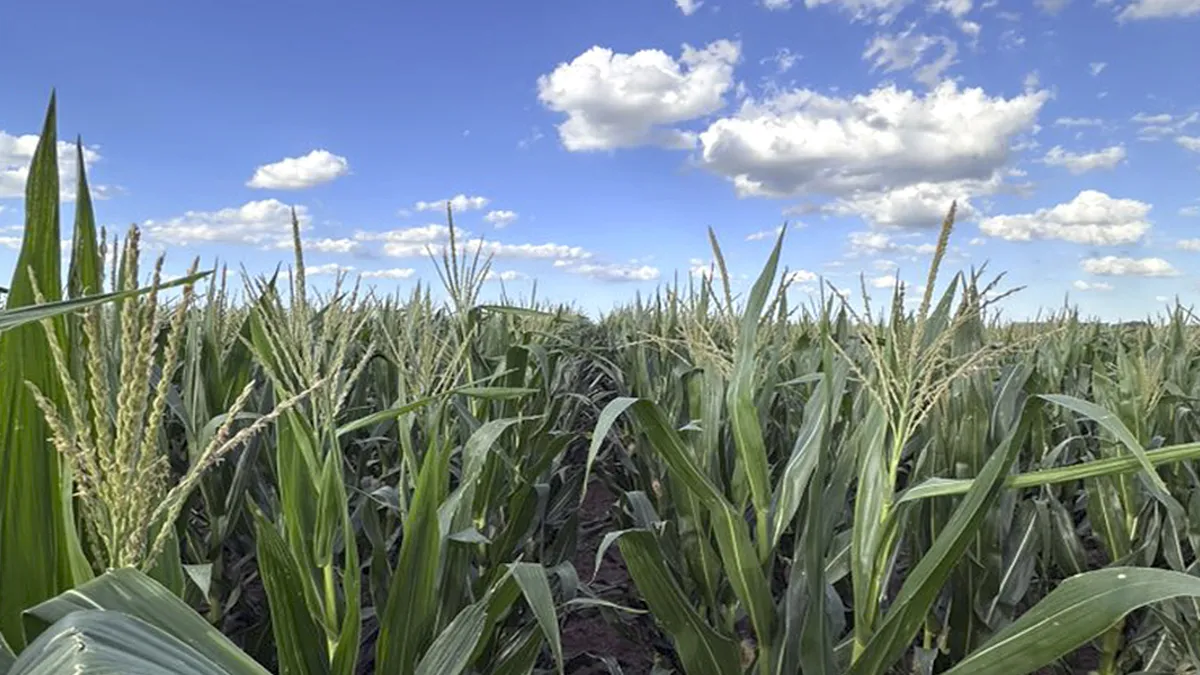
[34, 547]
[450, 653]
[532, 580]
[1111, 466]
[406, 625]
[85, 274]
[299, 640]
[1111, 422]
[1081, 608]
[11, 318]
[702, 649]
[130, 592]
[925, 580]
[608, 416]
[98, 641]
[743, 413]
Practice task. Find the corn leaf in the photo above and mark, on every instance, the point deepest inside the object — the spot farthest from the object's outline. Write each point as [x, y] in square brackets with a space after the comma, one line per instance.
[129, 592]
[1081, 608]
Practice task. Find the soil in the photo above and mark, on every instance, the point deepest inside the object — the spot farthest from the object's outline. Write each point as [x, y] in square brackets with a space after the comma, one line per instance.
[588, 635]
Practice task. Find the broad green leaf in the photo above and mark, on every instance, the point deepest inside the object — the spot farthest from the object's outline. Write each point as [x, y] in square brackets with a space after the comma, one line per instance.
[299, 640]
[1113, 424]
[450, 653]
[127, 591]
[1111, 466]
[702, 649]
[743, 414]
[406, 624]
[1081, 608]
[103, 642]
[532, 580]
[34, 549]
[11, 318]
[925, 580]
[608, 416]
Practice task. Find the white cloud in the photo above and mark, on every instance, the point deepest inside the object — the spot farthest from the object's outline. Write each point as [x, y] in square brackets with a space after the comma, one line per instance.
[806, 142]
[1160, 125]
[879, 11]
[784, 60]
[1078, 163]
[1078, 122]
[702, 269]
[297, 173]
[801, 277]
[977, 241]
[623, 100]
[1113, 266]
[420, 241]
[877, 243]
[327, 245]
[393, 273]
[16, 152]
[884, 281]
[1192, 211]
[971, 29]
[776, 4]
[501, 219]
[11, 242]
[327, 269]
[1188, 244]
[609, 272]
[1096, 67]
[902, 51]
[1162, 298]
[764, 234]
[1189, 142]
[505, 275]
[458, 204]
[1159, 9]
[688, 7]
[955, 8]
[1081, 285]
[266, 223]
[922, 205]
[1092, 217]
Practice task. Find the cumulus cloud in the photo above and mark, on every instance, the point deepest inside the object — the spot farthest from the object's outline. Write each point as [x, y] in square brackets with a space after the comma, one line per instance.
[505, 275]
[330, 269]
[1078, 163]
[458, 204]
[764, 234]
[396, 273]
[1096, 67]
[1189, 142]
[801, 277]
[803, 141]
[1081, 285]
[1092, 217]
[1158, 9]
[878, 243]
[297, 173]
[614, 100]
[434, 239]
[883, 281]
[609, 272]
[1188, 244]
[16, 152]
[922, 205]
[688, 7]
[903, 51]
[1114, 266]
[501, 219]
[266, 223]
[326, 245]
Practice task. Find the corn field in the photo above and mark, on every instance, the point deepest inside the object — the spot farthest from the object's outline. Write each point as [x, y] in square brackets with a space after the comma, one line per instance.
[224, 474]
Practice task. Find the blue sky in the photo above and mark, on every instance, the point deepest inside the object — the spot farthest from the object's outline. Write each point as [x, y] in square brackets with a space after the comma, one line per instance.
[590, 145]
